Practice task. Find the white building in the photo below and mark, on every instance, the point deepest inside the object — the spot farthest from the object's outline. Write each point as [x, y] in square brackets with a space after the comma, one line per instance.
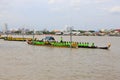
[4, 28]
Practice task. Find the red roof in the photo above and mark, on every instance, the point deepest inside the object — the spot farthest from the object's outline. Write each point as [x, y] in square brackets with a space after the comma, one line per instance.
[117, 30]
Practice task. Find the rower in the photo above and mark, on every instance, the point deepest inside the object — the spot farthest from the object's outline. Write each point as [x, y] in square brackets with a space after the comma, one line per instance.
[109, 44]
[92, 45]
[87, 44]
[61, 39]
[82, 45]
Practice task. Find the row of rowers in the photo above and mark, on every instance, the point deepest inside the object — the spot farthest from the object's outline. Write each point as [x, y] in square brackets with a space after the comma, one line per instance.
[82, 44]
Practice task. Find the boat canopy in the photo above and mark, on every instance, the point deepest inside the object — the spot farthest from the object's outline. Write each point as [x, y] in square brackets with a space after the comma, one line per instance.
[48, 38]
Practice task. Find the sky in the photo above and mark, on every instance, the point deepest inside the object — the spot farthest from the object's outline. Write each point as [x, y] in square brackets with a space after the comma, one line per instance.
[57, 14]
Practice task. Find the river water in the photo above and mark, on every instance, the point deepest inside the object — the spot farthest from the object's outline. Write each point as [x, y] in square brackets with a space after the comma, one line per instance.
[20, 61]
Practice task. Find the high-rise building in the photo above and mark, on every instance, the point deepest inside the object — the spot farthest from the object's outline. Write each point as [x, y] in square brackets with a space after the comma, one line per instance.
[4, 28]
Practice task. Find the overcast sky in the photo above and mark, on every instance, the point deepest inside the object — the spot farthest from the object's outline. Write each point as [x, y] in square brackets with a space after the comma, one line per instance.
[56, 14]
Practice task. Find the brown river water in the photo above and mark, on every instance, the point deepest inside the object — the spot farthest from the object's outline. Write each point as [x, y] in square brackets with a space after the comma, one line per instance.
[20, 61]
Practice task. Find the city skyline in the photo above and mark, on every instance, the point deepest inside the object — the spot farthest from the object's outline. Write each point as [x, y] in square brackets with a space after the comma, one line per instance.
[55, 14]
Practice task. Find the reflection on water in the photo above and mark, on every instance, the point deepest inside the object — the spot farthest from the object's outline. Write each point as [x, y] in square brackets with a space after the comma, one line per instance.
[20, 61]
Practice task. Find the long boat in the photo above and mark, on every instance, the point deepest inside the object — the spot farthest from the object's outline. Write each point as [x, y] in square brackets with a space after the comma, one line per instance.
[66, 44]
[16, 39]
[1, 37]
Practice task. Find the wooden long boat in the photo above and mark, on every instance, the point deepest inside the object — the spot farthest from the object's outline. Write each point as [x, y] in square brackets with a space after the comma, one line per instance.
[66, 44]
[1, 37]
[16, 39]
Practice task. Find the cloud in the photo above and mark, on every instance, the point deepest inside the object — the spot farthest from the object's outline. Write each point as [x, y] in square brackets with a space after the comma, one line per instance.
[55, 1]
[75, 3]
[4, 4]
[101, 1]
[63, 5]
[51, 1]
[115, 9]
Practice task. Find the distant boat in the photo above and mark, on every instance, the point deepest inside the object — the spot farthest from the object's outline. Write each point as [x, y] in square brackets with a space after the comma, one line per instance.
[16, 38]
[1, 37]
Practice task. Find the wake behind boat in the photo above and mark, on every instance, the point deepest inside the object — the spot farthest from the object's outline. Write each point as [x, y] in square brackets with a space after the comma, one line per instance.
[50, 41]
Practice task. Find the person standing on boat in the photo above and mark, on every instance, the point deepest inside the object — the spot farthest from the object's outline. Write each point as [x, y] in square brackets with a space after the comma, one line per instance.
[61, 39]
[93, 45]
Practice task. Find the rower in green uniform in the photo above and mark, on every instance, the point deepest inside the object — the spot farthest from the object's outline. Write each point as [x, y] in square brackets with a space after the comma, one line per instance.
[93, 45]
[87, 44]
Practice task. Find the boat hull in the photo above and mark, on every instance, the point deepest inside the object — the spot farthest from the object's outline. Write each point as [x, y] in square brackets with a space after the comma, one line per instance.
[95, 47]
